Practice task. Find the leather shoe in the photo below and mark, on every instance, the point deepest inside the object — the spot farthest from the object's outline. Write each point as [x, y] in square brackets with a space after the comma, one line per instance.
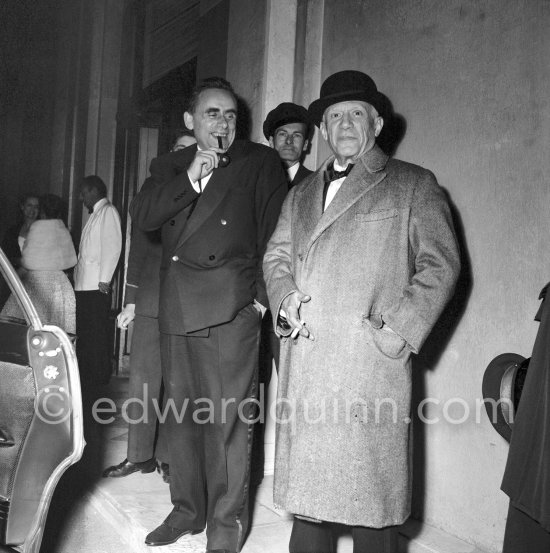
[218, 551]
[165, 535]
[127, 467]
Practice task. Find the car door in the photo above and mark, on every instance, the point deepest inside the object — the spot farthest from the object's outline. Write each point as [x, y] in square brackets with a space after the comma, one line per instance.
[41, 431]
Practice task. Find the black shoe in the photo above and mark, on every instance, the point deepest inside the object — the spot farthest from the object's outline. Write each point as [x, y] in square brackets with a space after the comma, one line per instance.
[164, 471]
[127, 467]
[165, 535]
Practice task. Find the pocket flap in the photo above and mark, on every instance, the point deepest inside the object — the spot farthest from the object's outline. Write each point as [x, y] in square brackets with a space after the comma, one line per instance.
[376, 215]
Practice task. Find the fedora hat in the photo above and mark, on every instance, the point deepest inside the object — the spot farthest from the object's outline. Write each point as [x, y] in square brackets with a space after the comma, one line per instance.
[342, 87]
[283, 114]
[503, 381]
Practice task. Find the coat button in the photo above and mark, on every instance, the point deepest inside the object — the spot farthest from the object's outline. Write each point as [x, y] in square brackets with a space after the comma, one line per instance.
[211, 257]
[172, 222]
[223, 222]
[175, 258]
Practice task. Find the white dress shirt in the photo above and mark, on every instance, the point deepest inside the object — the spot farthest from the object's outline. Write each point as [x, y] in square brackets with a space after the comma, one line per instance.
[199, 185]
[100, 247]
[291, 171]
[334, 186]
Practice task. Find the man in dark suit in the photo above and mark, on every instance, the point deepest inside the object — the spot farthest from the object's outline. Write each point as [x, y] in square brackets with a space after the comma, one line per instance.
[216, 220]
[288, 129]
[146, 446]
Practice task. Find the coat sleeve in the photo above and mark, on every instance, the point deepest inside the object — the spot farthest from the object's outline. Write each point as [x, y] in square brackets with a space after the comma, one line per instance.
[277, 266]
[155, 205]
[137, 256]
[436, 260]
[271, 191]
[110, 243]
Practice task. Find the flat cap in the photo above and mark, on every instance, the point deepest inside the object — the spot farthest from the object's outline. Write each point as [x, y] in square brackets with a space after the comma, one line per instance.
[283, 114]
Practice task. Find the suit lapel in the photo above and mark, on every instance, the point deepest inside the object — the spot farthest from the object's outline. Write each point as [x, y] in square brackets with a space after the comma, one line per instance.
[366, 174]
[219, 185]
[308, 205]
[213, 194]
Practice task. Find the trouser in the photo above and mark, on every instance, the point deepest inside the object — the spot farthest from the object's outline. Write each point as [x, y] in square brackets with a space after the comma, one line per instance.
[94, 334]
[314, 537]
[214, 379]
[145, 393]
[270, 346]
[523, 534]
[269, 352]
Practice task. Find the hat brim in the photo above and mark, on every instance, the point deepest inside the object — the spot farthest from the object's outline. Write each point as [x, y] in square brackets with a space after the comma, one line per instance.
[498, 384]
[318, 107]
[269, 127]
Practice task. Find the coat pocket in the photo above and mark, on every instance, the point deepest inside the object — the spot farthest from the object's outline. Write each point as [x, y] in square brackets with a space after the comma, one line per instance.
[386, 341]
[379, 215]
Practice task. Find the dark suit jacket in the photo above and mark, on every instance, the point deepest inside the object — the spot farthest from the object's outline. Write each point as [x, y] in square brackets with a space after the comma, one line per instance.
[300, 175]
[211, 260]
[142, 274]
[527, 476]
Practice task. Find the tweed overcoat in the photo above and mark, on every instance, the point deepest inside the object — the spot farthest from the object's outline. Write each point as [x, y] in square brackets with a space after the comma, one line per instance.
[384, 251]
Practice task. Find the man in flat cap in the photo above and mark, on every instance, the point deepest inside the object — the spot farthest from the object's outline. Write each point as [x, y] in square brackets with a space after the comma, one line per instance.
[360, 266]
[288, 129]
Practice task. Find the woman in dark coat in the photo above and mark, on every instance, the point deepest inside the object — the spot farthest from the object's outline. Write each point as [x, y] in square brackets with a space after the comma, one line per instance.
[527, 475]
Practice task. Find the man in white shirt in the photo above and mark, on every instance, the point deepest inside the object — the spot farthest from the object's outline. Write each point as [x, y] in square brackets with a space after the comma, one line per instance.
[98, 255]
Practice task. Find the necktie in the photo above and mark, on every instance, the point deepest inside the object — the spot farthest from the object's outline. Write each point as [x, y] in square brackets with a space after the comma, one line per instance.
[330, 175]
[195, 201]
[333, 174]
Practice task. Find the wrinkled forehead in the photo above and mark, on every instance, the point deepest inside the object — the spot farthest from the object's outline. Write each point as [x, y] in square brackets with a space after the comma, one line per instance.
[290, 128]
[216, 99]
[349, 105]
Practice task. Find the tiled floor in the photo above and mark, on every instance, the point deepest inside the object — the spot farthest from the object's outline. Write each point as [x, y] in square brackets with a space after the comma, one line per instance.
[136, 504]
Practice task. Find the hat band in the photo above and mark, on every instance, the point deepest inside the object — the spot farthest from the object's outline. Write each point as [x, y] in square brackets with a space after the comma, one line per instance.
[361, 91]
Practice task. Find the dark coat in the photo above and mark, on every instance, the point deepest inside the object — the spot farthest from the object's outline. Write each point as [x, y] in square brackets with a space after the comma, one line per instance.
[383, 251]
[300, 175]
[143, 272]
[212, 261]
[527, 475]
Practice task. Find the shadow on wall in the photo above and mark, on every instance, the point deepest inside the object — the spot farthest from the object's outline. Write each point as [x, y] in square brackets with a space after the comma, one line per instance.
[244, 120]
[394, 128]
[428, 358]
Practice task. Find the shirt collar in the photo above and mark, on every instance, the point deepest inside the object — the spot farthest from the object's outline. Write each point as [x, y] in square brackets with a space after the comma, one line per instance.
[99, 204]
[291, 171]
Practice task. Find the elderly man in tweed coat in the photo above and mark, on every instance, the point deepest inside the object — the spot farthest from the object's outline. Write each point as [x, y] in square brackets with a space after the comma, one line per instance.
[358, 270]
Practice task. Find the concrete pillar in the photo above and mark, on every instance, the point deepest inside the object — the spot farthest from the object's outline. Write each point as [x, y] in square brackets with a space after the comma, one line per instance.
[279, 55]
[103, 90]
[310, 33]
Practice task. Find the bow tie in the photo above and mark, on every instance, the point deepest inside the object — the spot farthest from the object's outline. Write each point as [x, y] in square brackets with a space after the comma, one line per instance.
[333, 174]
[90, 210]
